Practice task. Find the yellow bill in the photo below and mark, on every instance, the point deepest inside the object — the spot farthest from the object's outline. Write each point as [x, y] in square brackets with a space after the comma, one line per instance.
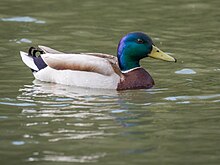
[158, 54]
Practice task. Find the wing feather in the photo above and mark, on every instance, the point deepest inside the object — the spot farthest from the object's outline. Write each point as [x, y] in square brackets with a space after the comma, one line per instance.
[49, 50]
[92, 62]
[80, 62]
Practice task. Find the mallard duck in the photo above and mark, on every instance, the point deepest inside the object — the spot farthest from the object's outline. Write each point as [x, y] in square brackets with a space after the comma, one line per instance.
[97, 70]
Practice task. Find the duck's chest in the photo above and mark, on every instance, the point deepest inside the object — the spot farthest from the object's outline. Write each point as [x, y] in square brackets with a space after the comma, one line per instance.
[136, 79]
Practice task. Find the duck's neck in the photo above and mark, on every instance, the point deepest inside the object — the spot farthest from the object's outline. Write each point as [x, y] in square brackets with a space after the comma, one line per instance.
[126, 62]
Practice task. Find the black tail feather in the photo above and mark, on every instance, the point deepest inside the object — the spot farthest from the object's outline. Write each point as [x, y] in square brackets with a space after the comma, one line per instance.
[36, 53]
[33, 52]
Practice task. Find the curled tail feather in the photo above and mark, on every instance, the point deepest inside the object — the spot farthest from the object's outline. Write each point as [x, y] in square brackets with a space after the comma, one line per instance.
[32, 60]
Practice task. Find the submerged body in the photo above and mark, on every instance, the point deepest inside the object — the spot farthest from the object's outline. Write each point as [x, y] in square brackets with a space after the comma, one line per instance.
[96, 70]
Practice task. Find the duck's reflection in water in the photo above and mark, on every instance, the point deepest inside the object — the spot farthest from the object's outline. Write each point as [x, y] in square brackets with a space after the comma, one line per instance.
[61, 114]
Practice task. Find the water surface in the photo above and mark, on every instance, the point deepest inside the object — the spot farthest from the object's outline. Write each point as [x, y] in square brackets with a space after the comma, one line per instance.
[176, 122]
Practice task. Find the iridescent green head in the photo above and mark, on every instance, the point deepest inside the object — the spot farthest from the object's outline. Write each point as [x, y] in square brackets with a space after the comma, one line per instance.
[135, 46]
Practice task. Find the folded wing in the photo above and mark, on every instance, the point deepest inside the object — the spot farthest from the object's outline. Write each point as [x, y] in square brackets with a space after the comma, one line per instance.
[81, 62]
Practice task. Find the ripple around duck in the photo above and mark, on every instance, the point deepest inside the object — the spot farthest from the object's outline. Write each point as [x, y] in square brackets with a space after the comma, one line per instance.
[79, 111]
[61, 157]
[13, 102]
[42, 89]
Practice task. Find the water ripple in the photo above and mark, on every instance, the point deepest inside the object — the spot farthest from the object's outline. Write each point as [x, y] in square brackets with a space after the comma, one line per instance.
[185, 71]
[76, 136]
[23, 19]
[202, 97]
[23, 40]
[60, 157]
[14, 103]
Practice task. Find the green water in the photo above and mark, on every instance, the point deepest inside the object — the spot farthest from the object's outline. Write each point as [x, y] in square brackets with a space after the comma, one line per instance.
[176, 122]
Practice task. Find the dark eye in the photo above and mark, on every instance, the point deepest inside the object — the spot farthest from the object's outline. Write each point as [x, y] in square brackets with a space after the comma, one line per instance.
[140, 41]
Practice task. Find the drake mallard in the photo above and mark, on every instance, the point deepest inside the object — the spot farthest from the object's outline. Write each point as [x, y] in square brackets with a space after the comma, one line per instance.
[97, 70]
